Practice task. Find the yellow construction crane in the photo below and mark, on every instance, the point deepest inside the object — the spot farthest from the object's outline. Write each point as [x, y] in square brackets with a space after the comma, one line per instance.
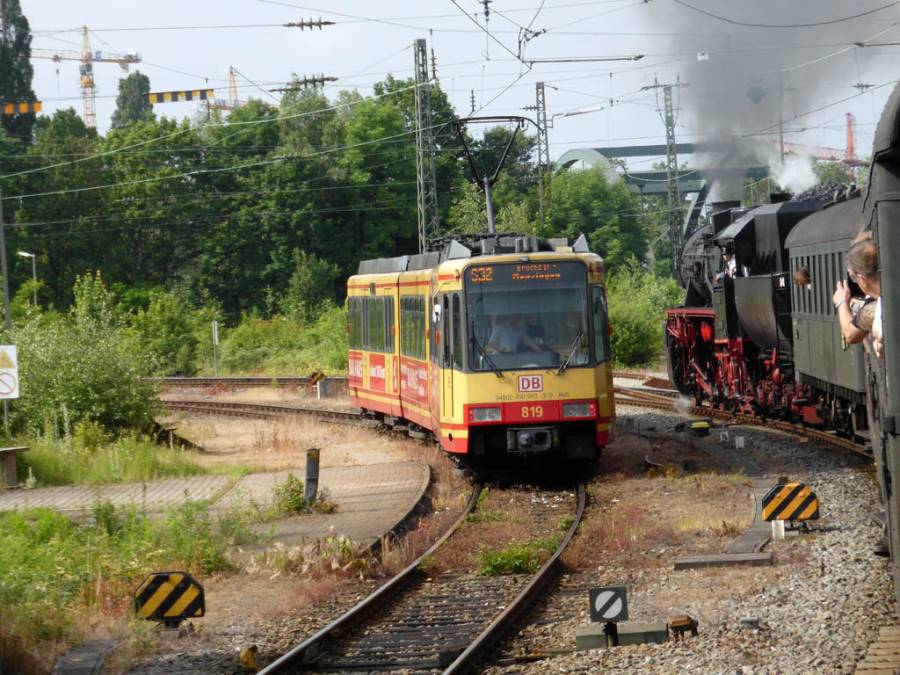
[232, 101]
[88, 57]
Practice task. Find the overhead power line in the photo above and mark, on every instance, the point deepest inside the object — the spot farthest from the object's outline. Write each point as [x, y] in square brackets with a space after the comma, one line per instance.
[814, 24]
[216, 170]
[228, 125]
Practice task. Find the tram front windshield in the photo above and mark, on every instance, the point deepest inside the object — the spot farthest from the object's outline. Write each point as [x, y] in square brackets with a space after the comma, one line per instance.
[527, 315]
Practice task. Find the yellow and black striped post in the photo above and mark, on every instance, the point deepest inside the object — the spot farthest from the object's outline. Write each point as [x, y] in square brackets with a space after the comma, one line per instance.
[176, 96]
[170, 597]
[792, 502]
[21, 108]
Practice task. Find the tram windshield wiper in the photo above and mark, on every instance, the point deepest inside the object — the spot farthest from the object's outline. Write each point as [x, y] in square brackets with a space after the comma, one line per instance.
[484, 355]
[575, 344]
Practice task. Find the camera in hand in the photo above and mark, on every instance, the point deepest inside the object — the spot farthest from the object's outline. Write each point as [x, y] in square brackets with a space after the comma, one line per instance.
[855, 290]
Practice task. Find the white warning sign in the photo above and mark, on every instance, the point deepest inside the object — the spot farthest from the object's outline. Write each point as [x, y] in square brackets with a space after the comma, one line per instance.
[9, 372]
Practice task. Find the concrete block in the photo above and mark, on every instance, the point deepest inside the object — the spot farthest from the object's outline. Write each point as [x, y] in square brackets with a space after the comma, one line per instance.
[642, 633]
[590, 637]
[698, 561]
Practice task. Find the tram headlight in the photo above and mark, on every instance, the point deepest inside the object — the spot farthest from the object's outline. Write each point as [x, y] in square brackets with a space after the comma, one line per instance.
[485, 415]
[578, 409]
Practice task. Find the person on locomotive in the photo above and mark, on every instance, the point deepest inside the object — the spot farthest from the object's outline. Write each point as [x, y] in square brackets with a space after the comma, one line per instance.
[862, 269]
[507, 336]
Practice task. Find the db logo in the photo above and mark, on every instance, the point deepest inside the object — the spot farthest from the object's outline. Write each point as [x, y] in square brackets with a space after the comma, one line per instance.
[531, 383]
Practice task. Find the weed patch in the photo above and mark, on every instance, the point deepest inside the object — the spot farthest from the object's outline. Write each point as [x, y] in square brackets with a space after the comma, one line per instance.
[516, 558]
[289, 499]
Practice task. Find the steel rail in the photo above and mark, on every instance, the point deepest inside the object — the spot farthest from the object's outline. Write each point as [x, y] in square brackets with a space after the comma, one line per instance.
[548, 571]
[632, 397]
[314, 644]
[269, 411]
[242, 381]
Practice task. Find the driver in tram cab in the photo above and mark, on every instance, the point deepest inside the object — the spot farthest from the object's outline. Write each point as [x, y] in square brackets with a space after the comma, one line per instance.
[507, 335]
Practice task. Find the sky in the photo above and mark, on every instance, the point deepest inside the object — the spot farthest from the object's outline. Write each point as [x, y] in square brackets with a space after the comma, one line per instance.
[704, 44]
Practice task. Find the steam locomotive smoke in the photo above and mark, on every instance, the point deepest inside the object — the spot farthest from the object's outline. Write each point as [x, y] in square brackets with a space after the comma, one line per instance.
[744, 80]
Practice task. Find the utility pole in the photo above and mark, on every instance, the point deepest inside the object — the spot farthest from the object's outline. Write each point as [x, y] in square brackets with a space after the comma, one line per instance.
[673, 191]
[426, 181]
[7, 320]
[543, 146]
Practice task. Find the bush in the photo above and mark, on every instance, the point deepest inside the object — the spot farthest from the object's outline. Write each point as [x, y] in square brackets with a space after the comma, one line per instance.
[289, 495]
[169, 331]
[283, 345]
[85, 365]
[637, 303]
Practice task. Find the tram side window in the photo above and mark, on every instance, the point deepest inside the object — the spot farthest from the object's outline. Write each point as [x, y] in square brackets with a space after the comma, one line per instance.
[601, 332]
[389, 345]
[376, 324]
[457, 333]
[405, 325]
[412, 327]
[421, 330]
[355, 319]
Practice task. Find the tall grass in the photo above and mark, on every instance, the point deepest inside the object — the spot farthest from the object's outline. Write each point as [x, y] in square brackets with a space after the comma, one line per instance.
[54, 571]
[129, 458]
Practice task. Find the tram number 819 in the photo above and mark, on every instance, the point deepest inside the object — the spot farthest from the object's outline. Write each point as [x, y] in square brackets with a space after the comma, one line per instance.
[532, 411]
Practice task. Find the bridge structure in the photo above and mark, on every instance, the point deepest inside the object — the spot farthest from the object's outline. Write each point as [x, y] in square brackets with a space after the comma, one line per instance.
[694, 183]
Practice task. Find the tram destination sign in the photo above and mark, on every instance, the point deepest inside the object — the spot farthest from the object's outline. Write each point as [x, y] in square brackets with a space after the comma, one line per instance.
[511, 274]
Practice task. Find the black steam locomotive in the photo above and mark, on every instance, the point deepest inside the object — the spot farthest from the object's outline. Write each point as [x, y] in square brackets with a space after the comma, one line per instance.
[757, 332]
[750, 339]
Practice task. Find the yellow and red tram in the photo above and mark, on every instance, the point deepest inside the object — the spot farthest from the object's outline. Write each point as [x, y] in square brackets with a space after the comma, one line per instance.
[499, 353]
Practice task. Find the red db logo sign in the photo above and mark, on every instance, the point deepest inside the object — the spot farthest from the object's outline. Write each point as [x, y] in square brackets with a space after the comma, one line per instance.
[529, 383]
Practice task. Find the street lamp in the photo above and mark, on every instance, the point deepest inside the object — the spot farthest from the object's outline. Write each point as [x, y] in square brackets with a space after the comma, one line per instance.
[33, 271]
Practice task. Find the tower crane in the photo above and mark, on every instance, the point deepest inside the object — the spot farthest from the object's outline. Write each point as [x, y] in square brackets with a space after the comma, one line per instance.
[88, 57]
[232, 101]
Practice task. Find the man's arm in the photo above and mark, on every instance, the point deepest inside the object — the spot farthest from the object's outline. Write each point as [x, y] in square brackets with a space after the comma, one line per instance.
[841, 299]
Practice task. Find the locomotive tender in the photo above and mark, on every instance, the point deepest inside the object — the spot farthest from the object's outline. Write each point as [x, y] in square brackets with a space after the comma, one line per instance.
[424, 352]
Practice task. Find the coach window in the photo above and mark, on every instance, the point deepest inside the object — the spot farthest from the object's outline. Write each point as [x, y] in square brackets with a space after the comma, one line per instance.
[601, 332]
[457, 333]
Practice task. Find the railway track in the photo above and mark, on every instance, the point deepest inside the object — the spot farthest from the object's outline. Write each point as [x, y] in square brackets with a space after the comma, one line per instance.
[670, 401]
[442, 623]
[269, 411]
[241, 382]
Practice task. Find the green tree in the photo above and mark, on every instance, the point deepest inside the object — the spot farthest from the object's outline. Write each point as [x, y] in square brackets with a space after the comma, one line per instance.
[832, 172]
[83, 366]
[15, 67]
[132, 104]
[64, 231]
[311, 288]
[607, 213]
[637, 301]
